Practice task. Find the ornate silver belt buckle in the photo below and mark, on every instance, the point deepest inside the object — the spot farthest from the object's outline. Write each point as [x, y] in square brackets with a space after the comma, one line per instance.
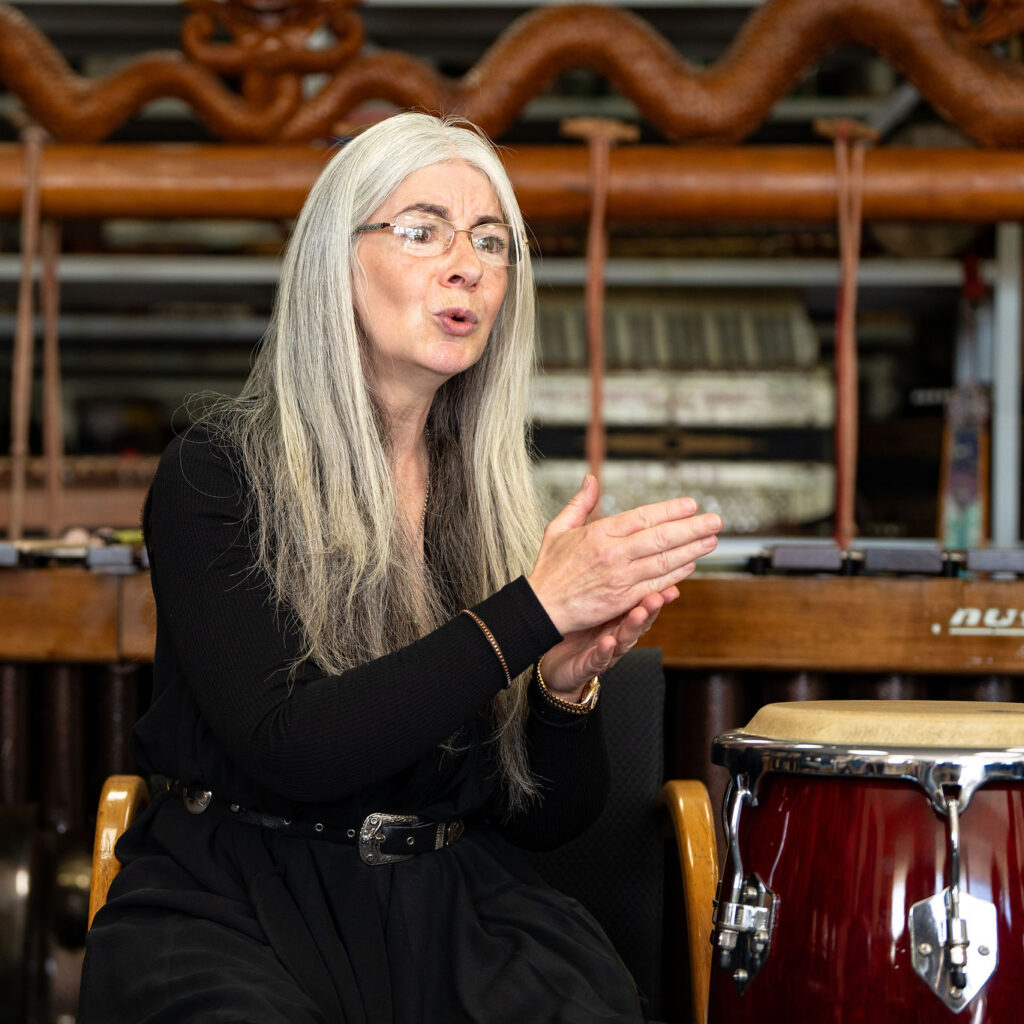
[371, 837]
[196, 800]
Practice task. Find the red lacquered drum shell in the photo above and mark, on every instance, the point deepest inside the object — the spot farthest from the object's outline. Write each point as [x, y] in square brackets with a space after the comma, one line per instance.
[847, 858]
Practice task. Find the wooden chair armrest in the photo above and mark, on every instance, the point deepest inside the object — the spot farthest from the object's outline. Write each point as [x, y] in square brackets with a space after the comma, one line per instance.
[122, 798]
[689, 808]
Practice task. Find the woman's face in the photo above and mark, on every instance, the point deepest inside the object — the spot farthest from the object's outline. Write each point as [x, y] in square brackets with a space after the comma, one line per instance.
[429, 317]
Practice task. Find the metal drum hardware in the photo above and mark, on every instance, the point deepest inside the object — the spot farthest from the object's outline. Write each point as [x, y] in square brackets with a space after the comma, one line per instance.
[898, 866]
[744, 920]
[953, 935]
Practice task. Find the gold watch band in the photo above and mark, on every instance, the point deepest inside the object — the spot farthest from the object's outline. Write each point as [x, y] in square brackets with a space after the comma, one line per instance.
[587, 701]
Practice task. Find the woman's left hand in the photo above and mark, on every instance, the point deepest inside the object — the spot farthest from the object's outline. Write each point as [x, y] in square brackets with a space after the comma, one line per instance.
[569, 665]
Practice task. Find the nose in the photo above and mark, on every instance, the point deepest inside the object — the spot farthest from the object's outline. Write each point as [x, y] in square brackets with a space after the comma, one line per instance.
[462, 264]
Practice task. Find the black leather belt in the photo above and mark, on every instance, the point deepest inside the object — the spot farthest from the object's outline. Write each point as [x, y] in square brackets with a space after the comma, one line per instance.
[381, 838]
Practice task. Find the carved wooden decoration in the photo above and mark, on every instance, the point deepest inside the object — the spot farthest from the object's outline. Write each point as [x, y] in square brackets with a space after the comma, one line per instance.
[941, 49]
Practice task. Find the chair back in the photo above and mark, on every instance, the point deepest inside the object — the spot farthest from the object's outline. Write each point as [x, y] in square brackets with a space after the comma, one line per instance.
[616, 868]
[122, 798]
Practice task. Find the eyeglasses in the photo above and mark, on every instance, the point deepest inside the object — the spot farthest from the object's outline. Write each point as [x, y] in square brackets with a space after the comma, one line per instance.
[426, 234]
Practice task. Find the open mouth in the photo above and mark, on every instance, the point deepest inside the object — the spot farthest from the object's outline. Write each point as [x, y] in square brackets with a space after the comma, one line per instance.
[459, 316]
[457, 321]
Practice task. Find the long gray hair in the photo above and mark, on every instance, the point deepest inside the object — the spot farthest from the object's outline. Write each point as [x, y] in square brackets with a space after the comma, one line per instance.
[315, 450]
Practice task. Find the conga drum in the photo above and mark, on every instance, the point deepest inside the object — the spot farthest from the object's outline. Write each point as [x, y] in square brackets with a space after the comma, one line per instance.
[874, 865]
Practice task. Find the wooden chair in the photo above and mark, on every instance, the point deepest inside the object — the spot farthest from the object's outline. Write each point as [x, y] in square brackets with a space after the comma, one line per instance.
[689, 808]
[686, 802]
[122, 798]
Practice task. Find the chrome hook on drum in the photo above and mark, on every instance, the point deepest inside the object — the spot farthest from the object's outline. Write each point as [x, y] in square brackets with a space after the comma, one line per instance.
[744, 920]
[954, 935]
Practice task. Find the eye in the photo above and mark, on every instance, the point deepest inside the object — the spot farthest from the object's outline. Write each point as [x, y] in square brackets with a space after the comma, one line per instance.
[422, 231]
[491, 239]
[418, 233]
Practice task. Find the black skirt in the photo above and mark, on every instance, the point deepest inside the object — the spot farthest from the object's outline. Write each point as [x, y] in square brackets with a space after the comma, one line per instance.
[217, 920]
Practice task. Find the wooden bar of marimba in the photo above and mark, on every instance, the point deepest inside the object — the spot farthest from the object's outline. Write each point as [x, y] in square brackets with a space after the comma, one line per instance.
[845, 624]
[722, 621]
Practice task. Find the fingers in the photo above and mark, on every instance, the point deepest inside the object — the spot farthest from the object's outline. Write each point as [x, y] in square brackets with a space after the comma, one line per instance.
[579, 506]
[568, 665]
[645, 517]
[636, 623]
[586, 573]
[672, 576]
[607, 648]
[662, 570]
[672, 535]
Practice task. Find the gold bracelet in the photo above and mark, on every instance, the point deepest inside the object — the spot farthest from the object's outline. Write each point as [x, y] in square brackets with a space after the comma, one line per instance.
[588, 698]
[494, 643]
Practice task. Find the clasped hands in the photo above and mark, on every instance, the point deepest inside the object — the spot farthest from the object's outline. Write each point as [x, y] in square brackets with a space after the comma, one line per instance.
[603, 583]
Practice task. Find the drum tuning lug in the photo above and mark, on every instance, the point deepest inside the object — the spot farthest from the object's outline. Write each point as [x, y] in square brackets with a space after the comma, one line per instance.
[743, 929]
[954, 968]
[944, 927]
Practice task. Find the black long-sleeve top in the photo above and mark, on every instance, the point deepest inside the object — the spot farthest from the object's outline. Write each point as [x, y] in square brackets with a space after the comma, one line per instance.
[227, 713]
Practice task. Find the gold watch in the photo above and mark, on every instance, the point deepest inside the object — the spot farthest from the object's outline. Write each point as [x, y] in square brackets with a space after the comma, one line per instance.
[587, 701]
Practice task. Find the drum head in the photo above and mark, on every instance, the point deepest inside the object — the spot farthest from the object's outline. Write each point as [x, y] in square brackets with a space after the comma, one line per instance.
[978, 725]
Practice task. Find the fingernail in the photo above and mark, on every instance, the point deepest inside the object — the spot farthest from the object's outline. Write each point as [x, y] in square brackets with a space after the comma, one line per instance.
[710, 543]
[689, 506]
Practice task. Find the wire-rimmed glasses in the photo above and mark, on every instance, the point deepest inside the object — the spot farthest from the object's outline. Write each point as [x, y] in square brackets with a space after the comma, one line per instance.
[427, 234]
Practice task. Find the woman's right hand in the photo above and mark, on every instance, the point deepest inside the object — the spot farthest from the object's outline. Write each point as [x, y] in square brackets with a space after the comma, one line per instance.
[590, 573]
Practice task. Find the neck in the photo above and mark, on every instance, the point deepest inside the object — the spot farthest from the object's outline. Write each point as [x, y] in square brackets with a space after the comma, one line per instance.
[408, 437]
[407, 424]
[410, 462]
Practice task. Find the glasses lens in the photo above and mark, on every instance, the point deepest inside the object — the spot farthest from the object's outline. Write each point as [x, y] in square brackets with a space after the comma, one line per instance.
[426, 234]
[495, 243]
[423, 234]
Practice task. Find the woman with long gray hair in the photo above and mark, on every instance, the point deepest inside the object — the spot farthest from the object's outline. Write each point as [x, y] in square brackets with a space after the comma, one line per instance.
[376, 672]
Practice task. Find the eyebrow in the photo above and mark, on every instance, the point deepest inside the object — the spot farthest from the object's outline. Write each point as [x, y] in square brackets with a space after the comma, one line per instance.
[443, 211]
